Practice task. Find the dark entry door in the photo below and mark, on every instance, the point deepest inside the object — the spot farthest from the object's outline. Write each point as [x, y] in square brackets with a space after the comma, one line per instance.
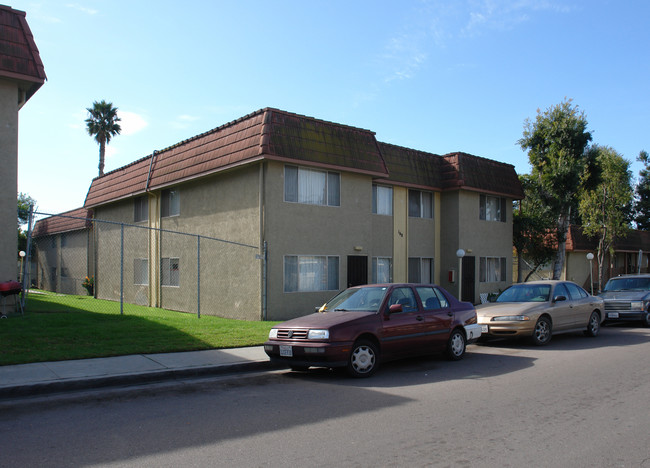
[469, 279]
[357, 270]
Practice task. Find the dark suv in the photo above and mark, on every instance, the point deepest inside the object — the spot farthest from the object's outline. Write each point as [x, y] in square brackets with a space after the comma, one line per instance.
[627, 297]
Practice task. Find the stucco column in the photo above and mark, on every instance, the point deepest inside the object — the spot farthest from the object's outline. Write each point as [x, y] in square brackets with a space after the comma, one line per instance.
[400, 234]
[8, 180]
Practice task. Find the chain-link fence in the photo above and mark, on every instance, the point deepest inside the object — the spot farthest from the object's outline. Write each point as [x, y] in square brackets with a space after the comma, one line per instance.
[129, 265]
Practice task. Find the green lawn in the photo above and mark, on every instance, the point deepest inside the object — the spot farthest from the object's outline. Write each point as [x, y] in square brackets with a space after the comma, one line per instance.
[56, 328]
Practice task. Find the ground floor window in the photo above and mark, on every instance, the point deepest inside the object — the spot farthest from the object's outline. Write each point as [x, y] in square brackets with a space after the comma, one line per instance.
[170, 271]
[304, 273]
[141, 271]
[382, 270]
[492, 269]
[420, 270]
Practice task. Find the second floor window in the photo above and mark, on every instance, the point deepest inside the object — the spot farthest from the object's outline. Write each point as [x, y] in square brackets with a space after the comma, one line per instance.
[382, 200]
[140, 209]
[170, 203]
[492, 208]
[311, 186]
[420, 204]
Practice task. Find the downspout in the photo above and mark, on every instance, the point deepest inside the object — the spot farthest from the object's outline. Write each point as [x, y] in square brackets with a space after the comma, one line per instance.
[263, 255]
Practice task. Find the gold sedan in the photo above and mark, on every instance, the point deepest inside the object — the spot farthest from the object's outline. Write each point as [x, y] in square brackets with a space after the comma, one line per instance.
[540, 309]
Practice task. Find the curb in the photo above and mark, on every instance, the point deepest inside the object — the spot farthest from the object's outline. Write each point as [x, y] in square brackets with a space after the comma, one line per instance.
[48, 388]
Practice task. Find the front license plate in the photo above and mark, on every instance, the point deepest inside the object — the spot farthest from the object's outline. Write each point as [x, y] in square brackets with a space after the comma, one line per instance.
[612, 314]
[484, 328]
[286, 351]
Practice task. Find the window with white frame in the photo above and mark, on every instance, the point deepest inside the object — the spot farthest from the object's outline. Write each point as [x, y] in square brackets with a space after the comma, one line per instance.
[304, 273]
[492, 269]
[420, 270]
[140, 209]
[382, 270]
[312, 186]
[420, 204]
[170, 203]
[170, 271]
[141, 271]
[492, 208]
[382, 200]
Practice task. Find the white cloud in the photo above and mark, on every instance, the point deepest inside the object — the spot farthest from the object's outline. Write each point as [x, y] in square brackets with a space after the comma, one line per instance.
[82, 8]
[184, 121]
[131, 122]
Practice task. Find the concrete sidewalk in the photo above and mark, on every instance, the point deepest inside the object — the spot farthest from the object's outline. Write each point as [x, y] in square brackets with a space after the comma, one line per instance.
[53, 377]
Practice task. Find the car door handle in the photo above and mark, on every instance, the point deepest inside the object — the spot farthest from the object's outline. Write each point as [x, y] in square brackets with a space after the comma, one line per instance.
[419, 318]
[451, 314]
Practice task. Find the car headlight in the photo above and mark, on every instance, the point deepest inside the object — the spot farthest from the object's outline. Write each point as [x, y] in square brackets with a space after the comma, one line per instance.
[318, 335]
[636, 305]
[511, 318]
[273, 334]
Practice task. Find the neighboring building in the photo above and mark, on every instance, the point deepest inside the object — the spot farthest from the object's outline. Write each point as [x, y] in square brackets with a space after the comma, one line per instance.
[63, 252]
[329, 204]
[630, 255]
[21, 75]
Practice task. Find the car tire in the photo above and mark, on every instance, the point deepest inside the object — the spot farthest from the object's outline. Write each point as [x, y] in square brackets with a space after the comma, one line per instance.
[593, 326]
[456, 345]
[543, 331]
[363, 360]
[646, 319]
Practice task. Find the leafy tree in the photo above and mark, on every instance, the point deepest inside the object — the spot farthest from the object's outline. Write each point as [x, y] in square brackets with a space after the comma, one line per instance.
[642, 204]
[102, 123]
[24, 202]
[556, 142]
[601, 206]
[532, 224]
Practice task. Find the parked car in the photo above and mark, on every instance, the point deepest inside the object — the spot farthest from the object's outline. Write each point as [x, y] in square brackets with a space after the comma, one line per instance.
[627, 297]
[365, 325]
[540, 309]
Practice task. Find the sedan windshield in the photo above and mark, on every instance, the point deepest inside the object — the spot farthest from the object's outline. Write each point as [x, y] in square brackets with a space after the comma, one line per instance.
[358, 299]
[628, 284]
[525, 293]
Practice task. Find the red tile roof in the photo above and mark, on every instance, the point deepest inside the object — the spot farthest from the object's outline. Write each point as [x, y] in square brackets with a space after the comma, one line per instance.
[266, 134]
[74, 220]
[273, 134]
[19, 57]
[635, 240]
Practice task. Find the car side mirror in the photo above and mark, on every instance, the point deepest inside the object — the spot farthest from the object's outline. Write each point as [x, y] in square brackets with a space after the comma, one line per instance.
[559, 298]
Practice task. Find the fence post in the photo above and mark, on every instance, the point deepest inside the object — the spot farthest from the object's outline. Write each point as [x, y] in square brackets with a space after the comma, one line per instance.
[198, 276]
[28, 257]
[121, 268]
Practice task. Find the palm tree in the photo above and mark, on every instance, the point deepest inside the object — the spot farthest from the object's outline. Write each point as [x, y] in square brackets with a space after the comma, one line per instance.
[102, 124]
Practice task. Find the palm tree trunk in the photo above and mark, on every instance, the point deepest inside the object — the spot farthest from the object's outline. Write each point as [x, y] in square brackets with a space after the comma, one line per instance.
[102, 152]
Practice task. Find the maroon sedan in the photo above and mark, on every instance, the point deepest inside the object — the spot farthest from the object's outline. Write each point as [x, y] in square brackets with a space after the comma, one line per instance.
[364, 325]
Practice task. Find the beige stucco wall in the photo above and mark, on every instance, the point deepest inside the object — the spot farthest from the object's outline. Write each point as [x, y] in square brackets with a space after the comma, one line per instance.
[301, 229]
[62, 261]
[8, 179]
[462, 228]
[225, 207]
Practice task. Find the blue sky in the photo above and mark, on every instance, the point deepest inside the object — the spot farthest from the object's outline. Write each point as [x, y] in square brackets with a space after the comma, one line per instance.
[437, 76]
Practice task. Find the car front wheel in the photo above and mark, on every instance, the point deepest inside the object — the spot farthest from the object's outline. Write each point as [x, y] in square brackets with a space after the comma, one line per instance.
[646, 319]
[593, 327]
[363, 360]
[543, 331]
[456, 345]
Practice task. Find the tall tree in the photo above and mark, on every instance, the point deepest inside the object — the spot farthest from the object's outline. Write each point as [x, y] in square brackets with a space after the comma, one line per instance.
[102, 123]
[602, 207]
[642, 203]
[556, 142]
[532, 227]
[24, 202]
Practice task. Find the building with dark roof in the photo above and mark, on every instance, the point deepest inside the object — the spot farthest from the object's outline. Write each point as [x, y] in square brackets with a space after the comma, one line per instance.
[288, 209]
[21, 75]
